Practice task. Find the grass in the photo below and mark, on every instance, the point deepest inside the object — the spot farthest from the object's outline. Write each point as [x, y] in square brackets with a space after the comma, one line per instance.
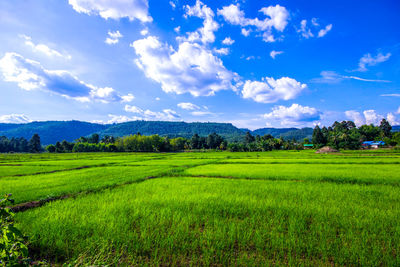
[247, 209]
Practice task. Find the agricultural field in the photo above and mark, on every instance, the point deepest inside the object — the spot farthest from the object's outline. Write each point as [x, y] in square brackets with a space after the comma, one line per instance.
[210, 208]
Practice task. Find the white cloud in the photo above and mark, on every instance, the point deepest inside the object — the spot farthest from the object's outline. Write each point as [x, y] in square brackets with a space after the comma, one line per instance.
[245, 32]
[206, 33]
[165, 115]
[367, 117]
[158, 99]
[202, 113]
[271, 90]
[307, 32]
[172, 4]
[191, 69]
[391, 118]
[42, 48]
[144, 32]
[367, 60]
[323, 32]
[333, 77]
[228, 41]
[391, 95]
[177, 29]
[133, 109]
[14, 118]
[127, 98]
[250, 58]
[113, 37]
[188, 106]
[221, 51]
[30, 75]
[293, 115]
[304, 31]
[114, 9]
[355, 116]
[277, 18]
[274, 53]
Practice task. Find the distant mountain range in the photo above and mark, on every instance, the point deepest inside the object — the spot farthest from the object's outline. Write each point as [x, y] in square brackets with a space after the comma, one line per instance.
[52, 131]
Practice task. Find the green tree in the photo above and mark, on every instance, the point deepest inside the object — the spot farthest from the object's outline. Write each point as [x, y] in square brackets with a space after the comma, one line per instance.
[386, 128]
[34, 144]
[318, 138]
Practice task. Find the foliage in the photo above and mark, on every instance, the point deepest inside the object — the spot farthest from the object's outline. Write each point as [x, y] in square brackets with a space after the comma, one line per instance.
[13, 251]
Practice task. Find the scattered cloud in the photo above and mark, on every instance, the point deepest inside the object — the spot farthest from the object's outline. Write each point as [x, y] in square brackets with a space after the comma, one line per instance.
[177, 29]
[113, 37]
[42, 48]
[334, 77]
[131, 9]
[367, 60]
[188, 106]
[14, 118]
[144, 32]
[165, 115]
[293, 115]
[250, 58]
[221, 51]
[190, 69]
[206, 33]
[228, 41]
[324, 32]
[245, 32]
[270, 90]
[370, 117]
[30, 75]
[391, 118]
[172, 4]
[127, 98]
[274, 53]
[307, 32]
[277, 18]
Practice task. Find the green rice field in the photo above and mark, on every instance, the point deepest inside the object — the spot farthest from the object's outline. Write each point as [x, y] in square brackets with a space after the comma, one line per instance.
[208, 208]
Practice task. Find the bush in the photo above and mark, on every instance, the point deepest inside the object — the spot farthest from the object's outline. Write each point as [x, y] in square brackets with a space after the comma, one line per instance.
[13, 251]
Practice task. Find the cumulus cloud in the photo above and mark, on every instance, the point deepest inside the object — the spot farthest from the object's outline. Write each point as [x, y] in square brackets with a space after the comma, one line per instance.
[42, 48]
[228, 41]
[114, 9]
[113, 37]
[204, 34]
[277, 18]
[30, 75]
[190, 69]
[369, 117]
[14, 118]
[293, 115]
[391, 118]
[274, 53]
[221, 51]
[367, 60]
[270, 90]
[188, 106]
[164, 115]
[245, 32]
[127, 98]
[334, 77]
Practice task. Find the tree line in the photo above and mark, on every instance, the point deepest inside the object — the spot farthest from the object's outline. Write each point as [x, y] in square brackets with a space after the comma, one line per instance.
[20, 144]
[346, 135]
[341, 135]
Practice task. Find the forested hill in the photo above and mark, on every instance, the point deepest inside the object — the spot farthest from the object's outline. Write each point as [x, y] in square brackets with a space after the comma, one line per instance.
[53, 131]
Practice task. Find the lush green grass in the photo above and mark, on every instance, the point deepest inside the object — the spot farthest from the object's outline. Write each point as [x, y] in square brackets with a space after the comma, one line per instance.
[337, 173]
[216, 221]
[268, 208]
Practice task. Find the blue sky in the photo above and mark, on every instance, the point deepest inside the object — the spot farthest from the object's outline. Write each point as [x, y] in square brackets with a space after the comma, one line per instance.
[252, 63]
